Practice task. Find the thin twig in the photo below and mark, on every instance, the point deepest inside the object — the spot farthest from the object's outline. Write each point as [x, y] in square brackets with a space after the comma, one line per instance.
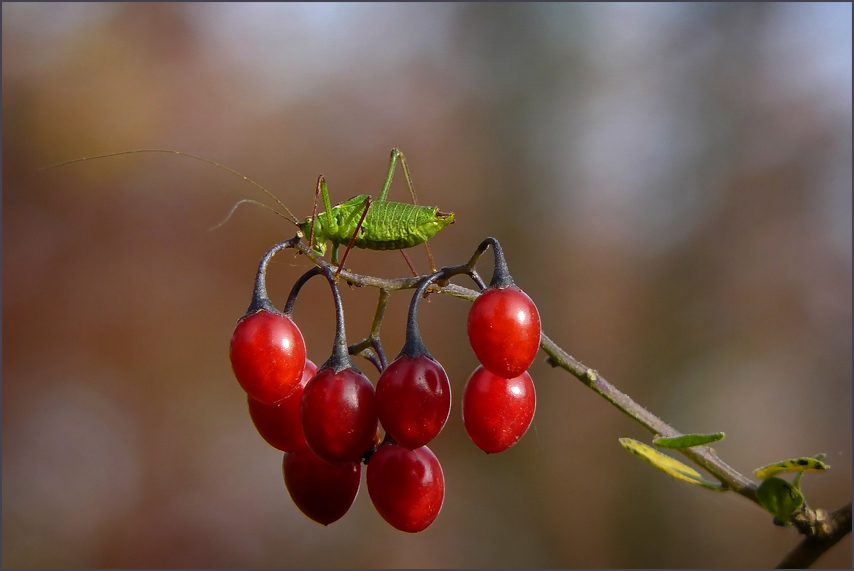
[825, 533]
[701, 455]
[821, 532]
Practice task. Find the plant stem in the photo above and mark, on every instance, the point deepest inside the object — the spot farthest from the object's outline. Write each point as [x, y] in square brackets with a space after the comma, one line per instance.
[821, 532]
[701, 455]
[827, 533]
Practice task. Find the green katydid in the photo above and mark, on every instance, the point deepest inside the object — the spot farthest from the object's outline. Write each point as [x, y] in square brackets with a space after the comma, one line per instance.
[374, 225]
[358, 222]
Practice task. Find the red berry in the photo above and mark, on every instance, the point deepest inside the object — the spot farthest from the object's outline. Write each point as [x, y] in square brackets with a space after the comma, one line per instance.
[504, 330]
[413, 400]
[279, 424]
[338, 415]
[320, 490]
[497, 411]
[406, 486]
[268, 355]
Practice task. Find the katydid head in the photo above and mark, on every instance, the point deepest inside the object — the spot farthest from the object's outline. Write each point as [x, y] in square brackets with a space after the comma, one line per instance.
[440, 220]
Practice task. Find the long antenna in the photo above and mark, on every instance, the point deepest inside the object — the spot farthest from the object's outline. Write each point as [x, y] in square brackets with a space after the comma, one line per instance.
[255, 202]
[216, 164]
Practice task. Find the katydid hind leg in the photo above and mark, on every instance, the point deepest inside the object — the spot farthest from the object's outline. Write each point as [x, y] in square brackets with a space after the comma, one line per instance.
[409, 263]
[415, 201]
[395, 155]
[392, 165]
[430, 256]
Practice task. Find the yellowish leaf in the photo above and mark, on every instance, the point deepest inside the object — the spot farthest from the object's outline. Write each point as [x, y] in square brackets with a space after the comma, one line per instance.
[667, 464]
[794, 465]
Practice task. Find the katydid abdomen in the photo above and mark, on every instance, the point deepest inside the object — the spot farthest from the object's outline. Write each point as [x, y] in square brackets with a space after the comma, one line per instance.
[398, 225]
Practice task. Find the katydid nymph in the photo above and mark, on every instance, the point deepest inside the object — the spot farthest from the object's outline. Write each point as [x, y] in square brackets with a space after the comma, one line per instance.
[358, 222]
[374, 225]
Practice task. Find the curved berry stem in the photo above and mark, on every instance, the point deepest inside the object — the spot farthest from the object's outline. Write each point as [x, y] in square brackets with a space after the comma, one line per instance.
[367, 355]
[378, 357]
[340, 358]
[260, 299]
[477, 279]
[501, 274]
[414, 346]
[303, 279]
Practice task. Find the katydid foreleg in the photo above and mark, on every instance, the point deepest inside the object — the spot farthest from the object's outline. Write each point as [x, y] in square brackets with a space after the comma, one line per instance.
[355, 233]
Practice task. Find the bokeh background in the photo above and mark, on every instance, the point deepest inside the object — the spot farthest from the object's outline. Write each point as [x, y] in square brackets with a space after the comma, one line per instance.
[672, 184]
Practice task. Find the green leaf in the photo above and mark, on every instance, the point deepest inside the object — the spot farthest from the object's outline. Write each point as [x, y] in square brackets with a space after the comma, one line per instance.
[779, 497]
[688, 440]
[794, 465]
[667, 464]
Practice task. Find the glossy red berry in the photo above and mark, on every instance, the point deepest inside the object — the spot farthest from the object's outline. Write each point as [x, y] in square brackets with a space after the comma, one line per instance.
[267, 355]
[504, 330]
[279, 424]
[413, 400]
[338, 415]
[320, 490]
[406, 486]
[497, 411]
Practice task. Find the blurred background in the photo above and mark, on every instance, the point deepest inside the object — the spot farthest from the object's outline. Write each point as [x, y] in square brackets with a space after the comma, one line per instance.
[672, 185]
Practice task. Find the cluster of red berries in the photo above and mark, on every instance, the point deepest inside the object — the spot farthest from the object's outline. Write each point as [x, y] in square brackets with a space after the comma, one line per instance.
[326, 420]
